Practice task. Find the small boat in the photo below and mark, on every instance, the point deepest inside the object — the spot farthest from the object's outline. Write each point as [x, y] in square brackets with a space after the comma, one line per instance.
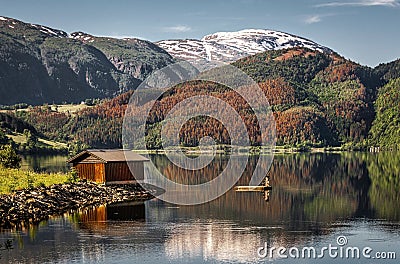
[252, 188]
[259, 188]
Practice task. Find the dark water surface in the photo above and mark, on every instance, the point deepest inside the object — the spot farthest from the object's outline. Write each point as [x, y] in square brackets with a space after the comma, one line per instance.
[315, 199]
[45, 163]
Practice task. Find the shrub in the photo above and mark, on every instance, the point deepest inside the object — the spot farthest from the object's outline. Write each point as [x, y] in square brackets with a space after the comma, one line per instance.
[9, 158]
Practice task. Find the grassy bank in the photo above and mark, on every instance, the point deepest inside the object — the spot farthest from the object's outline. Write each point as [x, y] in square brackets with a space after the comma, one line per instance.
[14, 179]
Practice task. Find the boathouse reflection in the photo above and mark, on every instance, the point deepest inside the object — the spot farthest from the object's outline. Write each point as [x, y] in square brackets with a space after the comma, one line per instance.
[98, 217]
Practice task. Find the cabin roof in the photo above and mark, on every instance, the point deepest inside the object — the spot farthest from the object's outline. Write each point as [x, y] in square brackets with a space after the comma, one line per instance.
[108, 155]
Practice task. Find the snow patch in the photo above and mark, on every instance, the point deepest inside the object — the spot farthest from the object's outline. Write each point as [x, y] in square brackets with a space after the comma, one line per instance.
[81, 36]
[50, 31]
[3, 18]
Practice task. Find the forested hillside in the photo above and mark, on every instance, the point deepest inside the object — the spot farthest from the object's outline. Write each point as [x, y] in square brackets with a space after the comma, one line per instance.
[339, 91]
[385, 131]
[317, 99]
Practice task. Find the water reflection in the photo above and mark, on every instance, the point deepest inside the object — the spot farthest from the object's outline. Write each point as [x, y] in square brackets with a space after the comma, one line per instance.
[315, 198]
[45, 163]
[212, 241]
[384, 172]
[310, 187]
[98, 218]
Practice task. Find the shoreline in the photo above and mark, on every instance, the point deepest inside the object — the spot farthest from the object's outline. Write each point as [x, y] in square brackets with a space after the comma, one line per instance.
[31, 206]
[249, 151]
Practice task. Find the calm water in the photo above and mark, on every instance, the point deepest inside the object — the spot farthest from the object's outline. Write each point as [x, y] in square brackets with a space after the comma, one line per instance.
[315, 199]
[45, 163]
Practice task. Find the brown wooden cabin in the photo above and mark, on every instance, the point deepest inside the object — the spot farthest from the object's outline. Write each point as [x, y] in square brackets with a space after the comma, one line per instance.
[109, 166]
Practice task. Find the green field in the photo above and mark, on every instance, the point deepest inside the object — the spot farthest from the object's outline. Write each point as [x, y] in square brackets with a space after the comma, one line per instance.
[21, 139]
[14, 179]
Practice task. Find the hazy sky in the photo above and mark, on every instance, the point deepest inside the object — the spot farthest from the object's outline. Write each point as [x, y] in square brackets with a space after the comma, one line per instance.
[366, 31]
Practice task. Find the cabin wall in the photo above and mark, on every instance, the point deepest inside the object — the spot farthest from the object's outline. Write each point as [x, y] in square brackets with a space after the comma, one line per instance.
[138, 170]
[119, 171]
[91, 171]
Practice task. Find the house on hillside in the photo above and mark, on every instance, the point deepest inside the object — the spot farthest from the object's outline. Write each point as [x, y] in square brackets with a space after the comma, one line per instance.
[109, 166]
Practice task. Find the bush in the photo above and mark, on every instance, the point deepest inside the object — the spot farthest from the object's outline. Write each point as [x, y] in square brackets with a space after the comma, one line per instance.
[73, 176]
[9, 158]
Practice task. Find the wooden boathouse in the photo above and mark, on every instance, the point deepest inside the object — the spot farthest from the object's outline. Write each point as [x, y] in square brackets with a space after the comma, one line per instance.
[109, 166]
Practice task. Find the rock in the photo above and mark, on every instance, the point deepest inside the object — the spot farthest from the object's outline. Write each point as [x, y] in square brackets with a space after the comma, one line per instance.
[32, 206]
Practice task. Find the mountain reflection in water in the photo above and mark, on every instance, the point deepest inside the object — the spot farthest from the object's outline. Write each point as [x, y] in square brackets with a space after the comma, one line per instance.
[315, 198]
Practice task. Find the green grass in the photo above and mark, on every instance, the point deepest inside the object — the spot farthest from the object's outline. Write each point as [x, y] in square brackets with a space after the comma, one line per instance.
[14, 179]
[21, 139]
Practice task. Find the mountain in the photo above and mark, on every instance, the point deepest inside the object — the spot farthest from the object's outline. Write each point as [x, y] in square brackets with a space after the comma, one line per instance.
[132, 56]
[231, 46]
[40, 64]
[318, 99]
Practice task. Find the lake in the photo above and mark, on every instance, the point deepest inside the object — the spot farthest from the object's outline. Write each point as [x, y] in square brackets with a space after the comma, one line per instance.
[45, 163]
[346, 202]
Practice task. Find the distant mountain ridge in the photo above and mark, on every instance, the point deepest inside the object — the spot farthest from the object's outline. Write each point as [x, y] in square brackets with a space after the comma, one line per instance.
[231, 46]
[40, 64]
[318, 97]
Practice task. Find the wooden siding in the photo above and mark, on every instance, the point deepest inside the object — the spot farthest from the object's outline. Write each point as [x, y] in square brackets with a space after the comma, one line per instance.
[110, 172]
[119, 171]
[91, 172]
[99, 172]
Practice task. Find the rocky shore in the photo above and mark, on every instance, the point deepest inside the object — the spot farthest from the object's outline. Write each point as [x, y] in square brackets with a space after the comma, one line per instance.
[38, 204]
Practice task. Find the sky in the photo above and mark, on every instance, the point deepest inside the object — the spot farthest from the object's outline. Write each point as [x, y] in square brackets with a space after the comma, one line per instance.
[365, 31]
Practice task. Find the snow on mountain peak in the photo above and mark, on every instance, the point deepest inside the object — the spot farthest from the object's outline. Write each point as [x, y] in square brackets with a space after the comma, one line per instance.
[231, 46]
